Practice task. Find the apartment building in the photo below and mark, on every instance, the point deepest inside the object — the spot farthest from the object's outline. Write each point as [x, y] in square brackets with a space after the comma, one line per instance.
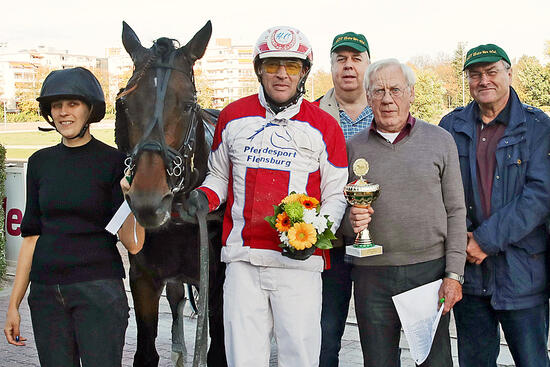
[225, 72]
[22, 71]
[228, 71]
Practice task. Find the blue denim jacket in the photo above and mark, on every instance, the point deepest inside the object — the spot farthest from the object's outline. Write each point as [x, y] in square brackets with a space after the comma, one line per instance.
[514, 236]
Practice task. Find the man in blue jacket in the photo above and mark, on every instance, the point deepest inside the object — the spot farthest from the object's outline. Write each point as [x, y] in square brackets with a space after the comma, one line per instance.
[504, 151]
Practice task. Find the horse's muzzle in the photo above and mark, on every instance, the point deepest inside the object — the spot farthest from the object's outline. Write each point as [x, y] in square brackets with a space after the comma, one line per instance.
[150, 209]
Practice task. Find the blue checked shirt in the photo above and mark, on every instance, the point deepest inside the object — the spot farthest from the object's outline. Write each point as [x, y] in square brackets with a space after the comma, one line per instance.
[350, 127]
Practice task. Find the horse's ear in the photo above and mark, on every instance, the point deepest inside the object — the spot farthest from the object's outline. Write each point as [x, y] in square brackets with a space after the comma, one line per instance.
[130, 41]
[197, 46]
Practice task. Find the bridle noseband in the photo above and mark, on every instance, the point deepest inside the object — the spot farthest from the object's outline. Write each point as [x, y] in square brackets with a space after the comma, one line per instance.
[180, 171]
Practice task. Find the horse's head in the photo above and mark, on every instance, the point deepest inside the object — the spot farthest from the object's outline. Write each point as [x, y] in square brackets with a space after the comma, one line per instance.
[157, 123]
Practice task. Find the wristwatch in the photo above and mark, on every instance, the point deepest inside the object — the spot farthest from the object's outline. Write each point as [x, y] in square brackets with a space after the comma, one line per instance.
[455, 276]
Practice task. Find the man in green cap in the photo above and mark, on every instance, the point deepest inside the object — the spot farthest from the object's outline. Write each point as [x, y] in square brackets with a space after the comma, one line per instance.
[347, 103]
[504, 149]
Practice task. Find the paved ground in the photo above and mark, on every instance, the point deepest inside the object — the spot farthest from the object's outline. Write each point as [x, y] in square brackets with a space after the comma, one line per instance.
[350, 355]
[26, 356]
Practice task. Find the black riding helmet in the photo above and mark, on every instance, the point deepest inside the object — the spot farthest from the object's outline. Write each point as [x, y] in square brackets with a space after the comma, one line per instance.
[76, 83]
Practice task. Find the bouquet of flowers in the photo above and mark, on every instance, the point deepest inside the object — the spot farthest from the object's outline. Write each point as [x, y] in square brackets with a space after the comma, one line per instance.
[300, 226]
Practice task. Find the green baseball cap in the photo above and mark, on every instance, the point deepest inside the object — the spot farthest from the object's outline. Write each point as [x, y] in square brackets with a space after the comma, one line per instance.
[356, 41]
[485, 53]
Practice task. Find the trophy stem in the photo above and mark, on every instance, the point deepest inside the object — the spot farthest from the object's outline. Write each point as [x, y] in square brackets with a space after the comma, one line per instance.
[363, 246]
[363, 239]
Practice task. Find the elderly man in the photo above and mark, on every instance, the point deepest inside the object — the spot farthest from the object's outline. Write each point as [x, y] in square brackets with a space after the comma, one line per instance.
[266, 146]
[504, 149]
[419, 218]
[347, 103]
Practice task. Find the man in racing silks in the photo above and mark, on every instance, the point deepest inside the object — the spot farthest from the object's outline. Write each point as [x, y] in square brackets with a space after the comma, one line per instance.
[266, 146]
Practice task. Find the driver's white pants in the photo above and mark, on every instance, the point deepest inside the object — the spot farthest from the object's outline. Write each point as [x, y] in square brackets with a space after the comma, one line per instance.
[263, 301]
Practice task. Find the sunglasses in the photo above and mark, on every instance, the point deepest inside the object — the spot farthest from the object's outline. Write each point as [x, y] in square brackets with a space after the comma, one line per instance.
[291, 67]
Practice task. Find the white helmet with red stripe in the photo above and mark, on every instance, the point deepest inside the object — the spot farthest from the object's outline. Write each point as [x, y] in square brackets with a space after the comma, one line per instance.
[284, 42]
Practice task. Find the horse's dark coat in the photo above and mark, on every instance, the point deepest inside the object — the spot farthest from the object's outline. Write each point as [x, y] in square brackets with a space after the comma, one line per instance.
[171, 253]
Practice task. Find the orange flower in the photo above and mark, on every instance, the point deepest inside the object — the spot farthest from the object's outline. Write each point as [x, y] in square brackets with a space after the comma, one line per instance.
[309, 202]
[292, 198]
[282, 222]
[302, 236]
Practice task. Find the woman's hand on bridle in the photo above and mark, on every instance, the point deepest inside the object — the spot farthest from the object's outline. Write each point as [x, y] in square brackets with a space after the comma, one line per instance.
[125, 185]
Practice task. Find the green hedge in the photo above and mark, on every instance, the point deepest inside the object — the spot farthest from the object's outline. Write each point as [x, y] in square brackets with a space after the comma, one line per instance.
[35, 117]
[2, 214]
[21, 117]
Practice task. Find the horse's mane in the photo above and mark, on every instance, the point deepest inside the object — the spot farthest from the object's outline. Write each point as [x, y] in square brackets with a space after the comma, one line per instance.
[122, 138]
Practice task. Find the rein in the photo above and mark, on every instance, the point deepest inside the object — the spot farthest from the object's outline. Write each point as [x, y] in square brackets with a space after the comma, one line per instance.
[180, 169]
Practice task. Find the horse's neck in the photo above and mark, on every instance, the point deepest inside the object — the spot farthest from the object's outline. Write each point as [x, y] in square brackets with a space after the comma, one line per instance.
[210, 120]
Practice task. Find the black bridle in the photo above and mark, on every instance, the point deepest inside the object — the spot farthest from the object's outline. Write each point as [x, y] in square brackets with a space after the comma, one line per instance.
[180, 169]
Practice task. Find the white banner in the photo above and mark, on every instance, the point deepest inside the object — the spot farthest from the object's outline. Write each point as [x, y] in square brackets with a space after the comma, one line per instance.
[14, 206]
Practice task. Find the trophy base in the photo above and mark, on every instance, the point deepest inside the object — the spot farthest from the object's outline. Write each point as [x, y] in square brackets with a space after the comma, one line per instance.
[364, 251]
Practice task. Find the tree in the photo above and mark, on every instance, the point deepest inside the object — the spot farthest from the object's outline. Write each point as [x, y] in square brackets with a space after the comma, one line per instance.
[448, 72]
[532, 81]
[41, 73]
[116, 81]
[26, 93]
[421, 62]
[205, 93]
[429, 103]
[457, 63]
[318, 84]
[102, 75]
[26, 100]
[447, 75]
[122, 79]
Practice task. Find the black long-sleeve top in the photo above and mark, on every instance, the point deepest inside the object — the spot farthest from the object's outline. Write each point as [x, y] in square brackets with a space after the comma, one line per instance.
[72, 193]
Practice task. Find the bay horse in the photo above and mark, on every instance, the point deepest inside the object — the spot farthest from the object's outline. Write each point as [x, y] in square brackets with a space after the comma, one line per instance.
[167, 138]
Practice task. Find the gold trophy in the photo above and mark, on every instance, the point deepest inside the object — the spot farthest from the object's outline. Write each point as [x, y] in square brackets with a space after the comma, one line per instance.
[361, 194]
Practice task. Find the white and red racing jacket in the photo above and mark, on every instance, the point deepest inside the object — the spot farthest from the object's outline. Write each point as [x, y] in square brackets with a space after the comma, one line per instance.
[257, 159]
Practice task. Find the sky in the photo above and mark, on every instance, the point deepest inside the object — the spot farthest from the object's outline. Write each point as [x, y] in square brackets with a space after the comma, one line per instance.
[402, 29]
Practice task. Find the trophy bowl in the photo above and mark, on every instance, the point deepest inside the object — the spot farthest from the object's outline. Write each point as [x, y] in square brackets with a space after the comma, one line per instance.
[361, 194]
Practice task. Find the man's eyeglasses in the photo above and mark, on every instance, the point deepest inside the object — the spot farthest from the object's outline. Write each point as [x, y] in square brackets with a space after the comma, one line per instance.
[272, 66]
[394, 92]
[477, 75]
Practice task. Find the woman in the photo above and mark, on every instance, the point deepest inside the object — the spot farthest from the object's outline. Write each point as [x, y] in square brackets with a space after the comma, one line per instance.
[78, 305]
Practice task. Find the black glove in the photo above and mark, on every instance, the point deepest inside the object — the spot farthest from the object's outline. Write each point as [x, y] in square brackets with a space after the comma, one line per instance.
[197, 203]
[299, 254]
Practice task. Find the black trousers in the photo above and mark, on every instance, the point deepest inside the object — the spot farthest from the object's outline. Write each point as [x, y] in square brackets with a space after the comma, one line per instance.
[379, 325]
[76, 322]
[336, 297]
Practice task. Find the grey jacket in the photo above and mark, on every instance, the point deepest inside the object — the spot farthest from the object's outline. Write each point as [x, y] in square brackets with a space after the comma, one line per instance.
[328, 103]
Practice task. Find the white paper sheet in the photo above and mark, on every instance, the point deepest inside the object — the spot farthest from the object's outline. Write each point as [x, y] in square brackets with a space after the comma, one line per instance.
[120, 216]
[417, 310]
